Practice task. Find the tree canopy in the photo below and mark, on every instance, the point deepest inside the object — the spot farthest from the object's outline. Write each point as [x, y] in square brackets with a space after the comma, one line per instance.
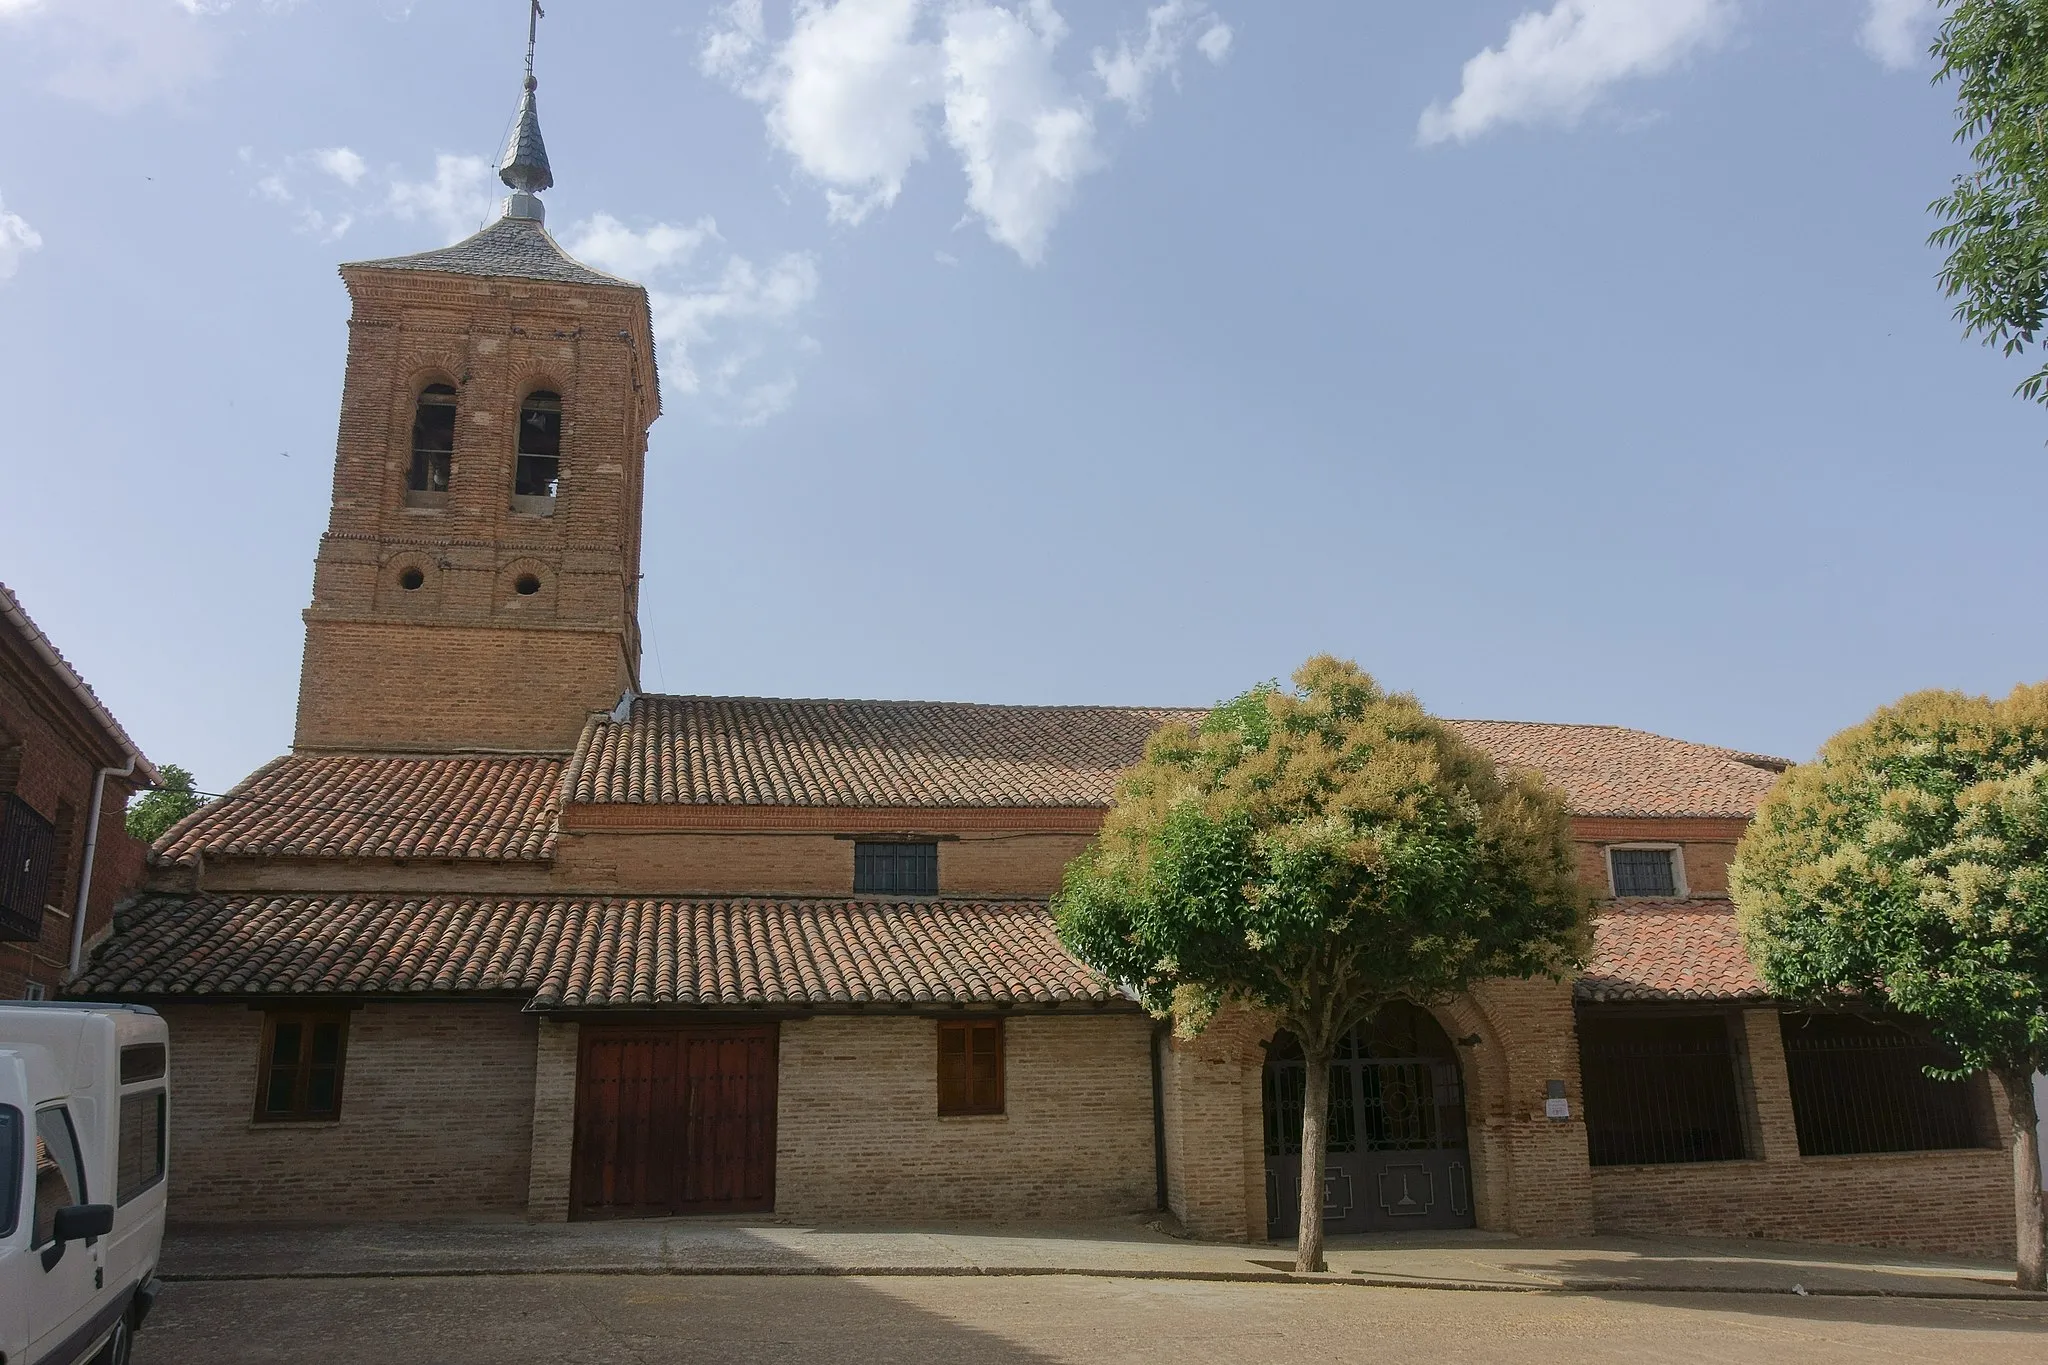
[1995, 226]
[1319, 853]
[155, 811]
[1906, 869]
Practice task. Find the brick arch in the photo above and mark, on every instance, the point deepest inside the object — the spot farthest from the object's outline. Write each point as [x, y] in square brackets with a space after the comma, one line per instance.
[392, 594]
[505, 594]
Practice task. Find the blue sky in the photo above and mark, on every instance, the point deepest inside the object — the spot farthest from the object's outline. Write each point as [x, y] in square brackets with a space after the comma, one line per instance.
[1570, 360]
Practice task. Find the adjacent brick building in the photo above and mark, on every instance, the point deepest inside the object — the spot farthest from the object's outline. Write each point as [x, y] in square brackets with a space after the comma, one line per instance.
[503, 934]
[62, 755]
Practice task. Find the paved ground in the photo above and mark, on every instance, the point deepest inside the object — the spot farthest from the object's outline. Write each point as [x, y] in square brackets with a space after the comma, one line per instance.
[1127, 1248]
[1026, 1320]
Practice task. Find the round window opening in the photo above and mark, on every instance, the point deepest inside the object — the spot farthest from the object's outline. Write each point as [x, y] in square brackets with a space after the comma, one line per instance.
[411, 580]
[527, 585]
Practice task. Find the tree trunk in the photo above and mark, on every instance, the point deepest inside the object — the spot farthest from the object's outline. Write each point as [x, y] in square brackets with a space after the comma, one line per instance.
[1315, 1124]
[2026, 1175]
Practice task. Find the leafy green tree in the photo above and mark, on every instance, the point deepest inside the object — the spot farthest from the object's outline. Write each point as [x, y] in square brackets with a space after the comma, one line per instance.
[1320, 853]
[153, 812]
[1995, 216]
[1906, 869]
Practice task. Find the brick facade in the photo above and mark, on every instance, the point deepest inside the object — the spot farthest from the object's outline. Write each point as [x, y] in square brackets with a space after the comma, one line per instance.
[51, 746]
[858, 1135]
[436, 1117]
[465, 659]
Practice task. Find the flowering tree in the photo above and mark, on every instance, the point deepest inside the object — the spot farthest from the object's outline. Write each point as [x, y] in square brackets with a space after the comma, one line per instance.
[1319, 853]
[1907, 868]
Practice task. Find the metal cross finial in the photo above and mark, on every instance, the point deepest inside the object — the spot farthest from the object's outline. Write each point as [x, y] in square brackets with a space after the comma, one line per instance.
[532, 31]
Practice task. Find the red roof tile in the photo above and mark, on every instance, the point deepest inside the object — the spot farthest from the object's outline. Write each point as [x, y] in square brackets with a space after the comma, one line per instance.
[592, 953]
[770, 752]
[1605, 770]
[1668, 950]
[758, 751]
[355, 806]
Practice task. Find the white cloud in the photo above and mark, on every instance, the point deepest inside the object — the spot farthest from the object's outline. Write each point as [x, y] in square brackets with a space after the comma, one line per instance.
[1553, 66]
[730, 332]
[1128, 73]
[457, 201]
[118, 54]
[843, 94]
[856, 90]
[17, 239]
[1896, 32]
[1023, 141]
[342, 163]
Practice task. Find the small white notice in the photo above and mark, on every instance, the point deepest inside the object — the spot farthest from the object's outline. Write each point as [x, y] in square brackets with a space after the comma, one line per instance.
[1557, 1109]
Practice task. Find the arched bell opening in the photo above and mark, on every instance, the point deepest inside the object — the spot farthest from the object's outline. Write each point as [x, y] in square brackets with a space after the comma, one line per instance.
[1398, 1156]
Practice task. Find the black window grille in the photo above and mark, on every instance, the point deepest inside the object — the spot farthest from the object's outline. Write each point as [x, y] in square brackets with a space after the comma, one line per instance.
[28, 856]
[1659, 1090]
[896, 869]
[1394, 1087]
[1861, 1085]
[1644, 872]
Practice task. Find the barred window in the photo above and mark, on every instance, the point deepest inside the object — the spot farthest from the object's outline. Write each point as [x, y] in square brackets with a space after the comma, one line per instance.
[896, 869]
[1659, 1089]
[28, 858]
[1861, 1085]
[1644, 871]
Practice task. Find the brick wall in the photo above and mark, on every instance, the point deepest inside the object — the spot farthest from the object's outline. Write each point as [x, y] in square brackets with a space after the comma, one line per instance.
[366, 684]
[1706, 861]
[858, 1135]
[435, 1117]
[463, 659]
[1959, 1201]
[48, 759]
[798, 864]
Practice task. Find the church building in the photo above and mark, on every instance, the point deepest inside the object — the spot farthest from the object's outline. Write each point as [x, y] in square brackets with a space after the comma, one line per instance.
[503, 934]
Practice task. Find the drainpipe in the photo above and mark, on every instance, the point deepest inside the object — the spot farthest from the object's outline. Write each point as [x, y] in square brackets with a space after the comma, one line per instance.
[1158, 1117]
[92, 844]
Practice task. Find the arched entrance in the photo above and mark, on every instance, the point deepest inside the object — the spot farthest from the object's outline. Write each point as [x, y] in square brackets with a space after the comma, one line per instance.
[1397, 1156]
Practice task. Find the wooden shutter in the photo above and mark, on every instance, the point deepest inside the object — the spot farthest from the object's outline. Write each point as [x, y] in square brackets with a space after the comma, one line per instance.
[971, 1066]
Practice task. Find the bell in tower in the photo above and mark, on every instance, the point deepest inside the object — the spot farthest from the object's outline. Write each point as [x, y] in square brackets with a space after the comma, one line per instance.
[477, 584]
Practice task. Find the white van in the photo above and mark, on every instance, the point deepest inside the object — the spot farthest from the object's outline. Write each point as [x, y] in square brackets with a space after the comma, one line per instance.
[84, 1151]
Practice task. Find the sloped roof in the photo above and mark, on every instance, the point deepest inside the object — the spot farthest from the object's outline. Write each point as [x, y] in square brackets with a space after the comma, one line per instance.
[511, 248]
[1668, 950]
[1606, 770]
[67, 677]
[587, 953]
[764, 751]
[492, 807]
[787, 752]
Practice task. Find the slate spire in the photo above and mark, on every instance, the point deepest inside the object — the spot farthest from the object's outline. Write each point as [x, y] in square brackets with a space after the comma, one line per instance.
[524, 168]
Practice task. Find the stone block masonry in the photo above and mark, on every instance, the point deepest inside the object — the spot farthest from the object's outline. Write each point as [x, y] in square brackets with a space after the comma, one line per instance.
[436, 1117]
[858, 1134]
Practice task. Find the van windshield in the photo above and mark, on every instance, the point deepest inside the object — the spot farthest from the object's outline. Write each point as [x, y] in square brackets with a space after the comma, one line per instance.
[10, 1168]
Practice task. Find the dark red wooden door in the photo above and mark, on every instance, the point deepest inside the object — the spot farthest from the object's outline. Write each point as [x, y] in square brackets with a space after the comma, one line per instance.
[674, 1120]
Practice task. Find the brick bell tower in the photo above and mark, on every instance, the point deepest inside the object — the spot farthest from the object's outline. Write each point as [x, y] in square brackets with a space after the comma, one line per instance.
[477, 586]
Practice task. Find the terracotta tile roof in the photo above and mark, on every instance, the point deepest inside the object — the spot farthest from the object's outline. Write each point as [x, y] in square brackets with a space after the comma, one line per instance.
[757, 751]
[67, 677]
[590, 953]
[764, 751]
[1668, 950]
[1605, 770]
[358, 806]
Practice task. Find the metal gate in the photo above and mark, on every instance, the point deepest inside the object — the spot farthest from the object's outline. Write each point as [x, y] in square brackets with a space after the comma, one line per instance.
[1397, 1156]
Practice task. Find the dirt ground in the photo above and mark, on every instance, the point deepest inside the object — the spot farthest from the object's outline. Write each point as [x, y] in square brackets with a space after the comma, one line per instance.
[1015, 1320]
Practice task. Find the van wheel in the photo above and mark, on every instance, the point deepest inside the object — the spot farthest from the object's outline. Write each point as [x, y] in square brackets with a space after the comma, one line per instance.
[121, 1345]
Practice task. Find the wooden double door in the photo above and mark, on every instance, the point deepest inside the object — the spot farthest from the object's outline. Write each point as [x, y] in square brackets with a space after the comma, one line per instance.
[674, 1119]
